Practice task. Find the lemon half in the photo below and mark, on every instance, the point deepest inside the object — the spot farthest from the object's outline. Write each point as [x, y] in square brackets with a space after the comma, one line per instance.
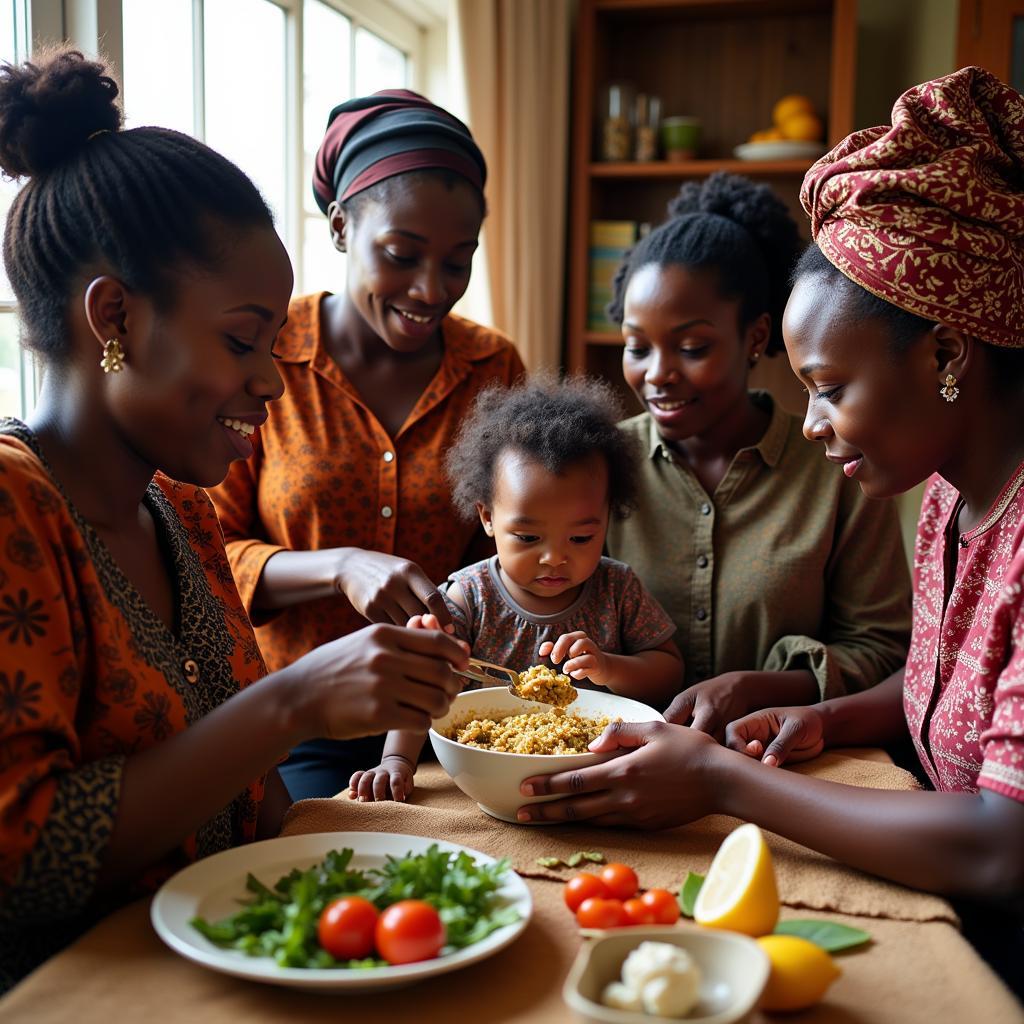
[739, 892]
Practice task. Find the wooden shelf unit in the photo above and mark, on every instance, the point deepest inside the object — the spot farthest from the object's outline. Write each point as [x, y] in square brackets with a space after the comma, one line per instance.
[723, 61]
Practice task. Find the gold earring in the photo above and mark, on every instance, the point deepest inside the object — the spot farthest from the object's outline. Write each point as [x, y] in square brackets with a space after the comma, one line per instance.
[113, 356]
[949, 390]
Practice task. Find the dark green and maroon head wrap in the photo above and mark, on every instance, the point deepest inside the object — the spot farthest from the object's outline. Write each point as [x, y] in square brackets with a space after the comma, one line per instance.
[391, 132]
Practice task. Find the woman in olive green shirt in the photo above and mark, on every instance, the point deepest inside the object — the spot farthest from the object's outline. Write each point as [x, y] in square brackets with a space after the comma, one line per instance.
[786, 585]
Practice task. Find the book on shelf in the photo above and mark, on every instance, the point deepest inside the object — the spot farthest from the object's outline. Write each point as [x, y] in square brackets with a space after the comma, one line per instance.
[609, 242]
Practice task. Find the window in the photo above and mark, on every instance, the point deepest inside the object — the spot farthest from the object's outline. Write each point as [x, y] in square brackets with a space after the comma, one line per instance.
[255, 79]
[230, 71]
[16, 369]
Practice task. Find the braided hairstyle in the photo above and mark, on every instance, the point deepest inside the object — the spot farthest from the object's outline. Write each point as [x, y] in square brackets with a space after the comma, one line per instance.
[140, 204]
[740, 231]
[554, 422]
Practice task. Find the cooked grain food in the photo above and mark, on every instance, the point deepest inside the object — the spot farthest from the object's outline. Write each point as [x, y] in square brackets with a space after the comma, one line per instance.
[540, 732]
[549, 687]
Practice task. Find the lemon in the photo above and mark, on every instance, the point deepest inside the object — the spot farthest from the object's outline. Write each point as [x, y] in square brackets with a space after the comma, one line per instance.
[801, 972]
[739, 893]
[805, 127]
[790, 105]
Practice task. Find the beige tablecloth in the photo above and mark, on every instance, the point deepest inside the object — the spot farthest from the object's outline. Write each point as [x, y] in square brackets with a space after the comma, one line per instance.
[918, 968]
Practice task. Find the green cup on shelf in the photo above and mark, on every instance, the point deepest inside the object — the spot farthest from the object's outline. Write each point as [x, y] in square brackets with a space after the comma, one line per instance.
[680, 137]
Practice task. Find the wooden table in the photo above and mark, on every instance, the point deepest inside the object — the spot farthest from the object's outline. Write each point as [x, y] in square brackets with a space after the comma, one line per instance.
[918, 968]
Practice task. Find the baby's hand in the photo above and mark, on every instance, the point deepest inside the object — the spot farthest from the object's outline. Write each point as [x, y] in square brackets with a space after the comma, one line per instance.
[428, 621]
[392, 779]
[585, 659]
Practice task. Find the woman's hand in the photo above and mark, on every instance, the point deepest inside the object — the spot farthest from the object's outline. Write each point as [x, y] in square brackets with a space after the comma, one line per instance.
[386, 588]
[586, 659]
[392, 779]
[777, 735]
[711, 705]
[379, 678]
[659, 781]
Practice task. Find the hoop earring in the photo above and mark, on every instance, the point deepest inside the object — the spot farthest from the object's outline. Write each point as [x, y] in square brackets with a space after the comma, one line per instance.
[949, 390]
[113, 356]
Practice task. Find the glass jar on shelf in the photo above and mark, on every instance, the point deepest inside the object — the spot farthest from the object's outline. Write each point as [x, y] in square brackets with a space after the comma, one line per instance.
[616, 116]
[648, 121]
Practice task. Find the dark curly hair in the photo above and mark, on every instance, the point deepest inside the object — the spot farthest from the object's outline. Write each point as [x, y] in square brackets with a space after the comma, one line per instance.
[554, 422]
[140, 204]
[726, 224]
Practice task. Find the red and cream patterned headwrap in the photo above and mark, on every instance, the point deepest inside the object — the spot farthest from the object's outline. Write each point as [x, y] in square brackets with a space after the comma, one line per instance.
[929, 213]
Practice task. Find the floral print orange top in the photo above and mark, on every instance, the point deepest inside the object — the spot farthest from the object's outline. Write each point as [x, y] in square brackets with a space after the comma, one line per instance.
[88, 676]
[326, 474]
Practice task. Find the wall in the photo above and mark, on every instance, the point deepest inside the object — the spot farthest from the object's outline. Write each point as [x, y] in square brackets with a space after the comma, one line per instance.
[899, 44]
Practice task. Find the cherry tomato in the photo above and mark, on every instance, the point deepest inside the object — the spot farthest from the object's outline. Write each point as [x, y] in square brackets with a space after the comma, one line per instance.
[581, 887]
[637, 912]
[662, 904]
[620, 880]
[408, 931]
[346, 926]
[601, 913]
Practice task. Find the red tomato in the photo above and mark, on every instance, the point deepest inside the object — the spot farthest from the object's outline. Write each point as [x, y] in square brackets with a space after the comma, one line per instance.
[601, 913]
[345, 928]
[662, 904]
[620, 880]
[637, 912]
[581, 887]
[408, 931]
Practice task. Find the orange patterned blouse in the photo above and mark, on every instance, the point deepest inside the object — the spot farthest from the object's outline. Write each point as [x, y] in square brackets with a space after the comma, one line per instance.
[326, 474]
[88, 676]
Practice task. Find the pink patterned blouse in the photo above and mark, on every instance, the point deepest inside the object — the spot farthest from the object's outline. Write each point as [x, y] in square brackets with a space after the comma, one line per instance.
[964, 685]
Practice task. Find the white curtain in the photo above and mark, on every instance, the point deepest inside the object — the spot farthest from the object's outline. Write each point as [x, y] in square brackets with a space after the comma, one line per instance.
[509, 70]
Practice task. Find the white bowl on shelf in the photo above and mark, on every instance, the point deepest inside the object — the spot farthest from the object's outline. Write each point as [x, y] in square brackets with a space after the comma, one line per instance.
[779, 149]
[491, 777]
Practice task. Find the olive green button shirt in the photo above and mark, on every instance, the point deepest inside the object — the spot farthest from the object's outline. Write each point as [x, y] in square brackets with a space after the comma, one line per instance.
[786, 566]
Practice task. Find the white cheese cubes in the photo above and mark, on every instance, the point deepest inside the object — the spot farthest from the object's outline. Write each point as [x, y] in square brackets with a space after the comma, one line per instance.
[658, 978]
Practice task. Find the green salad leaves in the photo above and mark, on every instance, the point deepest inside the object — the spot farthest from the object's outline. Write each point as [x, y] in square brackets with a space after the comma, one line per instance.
[282, 922]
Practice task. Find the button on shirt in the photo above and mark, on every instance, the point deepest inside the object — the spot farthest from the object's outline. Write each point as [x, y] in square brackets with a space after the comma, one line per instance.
[325, 473]
[786, 566]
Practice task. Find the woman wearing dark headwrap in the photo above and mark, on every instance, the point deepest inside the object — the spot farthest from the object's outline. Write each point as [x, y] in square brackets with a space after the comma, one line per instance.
[906, 325]
[342, 514]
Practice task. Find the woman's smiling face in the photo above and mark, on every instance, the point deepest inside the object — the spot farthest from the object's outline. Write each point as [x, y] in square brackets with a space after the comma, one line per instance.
[410, 256]
[686, 356]
[876, 410]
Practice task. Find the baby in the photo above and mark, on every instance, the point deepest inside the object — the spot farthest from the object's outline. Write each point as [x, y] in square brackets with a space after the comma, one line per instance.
[544, 466]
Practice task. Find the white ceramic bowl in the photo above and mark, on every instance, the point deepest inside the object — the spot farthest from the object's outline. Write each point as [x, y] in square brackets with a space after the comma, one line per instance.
[734, 970]
[491, 777]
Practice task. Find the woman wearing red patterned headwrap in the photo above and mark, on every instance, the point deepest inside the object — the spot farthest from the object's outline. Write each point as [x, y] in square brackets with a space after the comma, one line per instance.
[342, 514]
[906, 325]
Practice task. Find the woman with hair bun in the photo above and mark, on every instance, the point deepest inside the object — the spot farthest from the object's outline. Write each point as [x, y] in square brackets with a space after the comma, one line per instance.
[343, 514]
[151, 286]
[786, 584]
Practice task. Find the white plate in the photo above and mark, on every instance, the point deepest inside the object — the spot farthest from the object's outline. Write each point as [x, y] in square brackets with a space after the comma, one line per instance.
[781, 149]
[211, 888]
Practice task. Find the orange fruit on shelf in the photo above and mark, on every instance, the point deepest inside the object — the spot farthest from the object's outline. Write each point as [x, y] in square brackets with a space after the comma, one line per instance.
[766, 135]
[790, 105]
[803, 127]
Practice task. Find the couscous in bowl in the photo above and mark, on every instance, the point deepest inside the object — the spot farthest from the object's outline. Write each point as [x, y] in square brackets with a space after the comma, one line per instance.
[492, 777]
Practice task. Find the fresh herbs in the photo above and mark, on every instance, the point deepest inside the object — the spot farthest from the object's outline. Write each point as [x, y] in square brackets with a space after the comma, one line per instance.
[572, 861]
[282, 922]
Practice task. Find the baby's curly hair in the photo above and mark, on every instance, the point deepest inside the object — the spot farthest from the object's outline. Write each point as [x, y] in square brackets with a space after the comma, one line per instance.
[554, 422]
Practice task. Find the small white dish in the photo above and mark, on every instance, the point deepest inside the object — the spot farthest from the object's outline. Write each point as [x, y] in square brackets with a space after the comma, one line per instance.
[211, 888]
[734, 970]
[781, 149]
[491, 777]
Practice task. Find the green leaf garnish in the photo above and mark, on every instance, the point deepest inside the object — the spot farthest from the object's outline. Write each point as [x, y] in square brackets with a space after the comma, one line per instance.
[829, 935]
[688, 894]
